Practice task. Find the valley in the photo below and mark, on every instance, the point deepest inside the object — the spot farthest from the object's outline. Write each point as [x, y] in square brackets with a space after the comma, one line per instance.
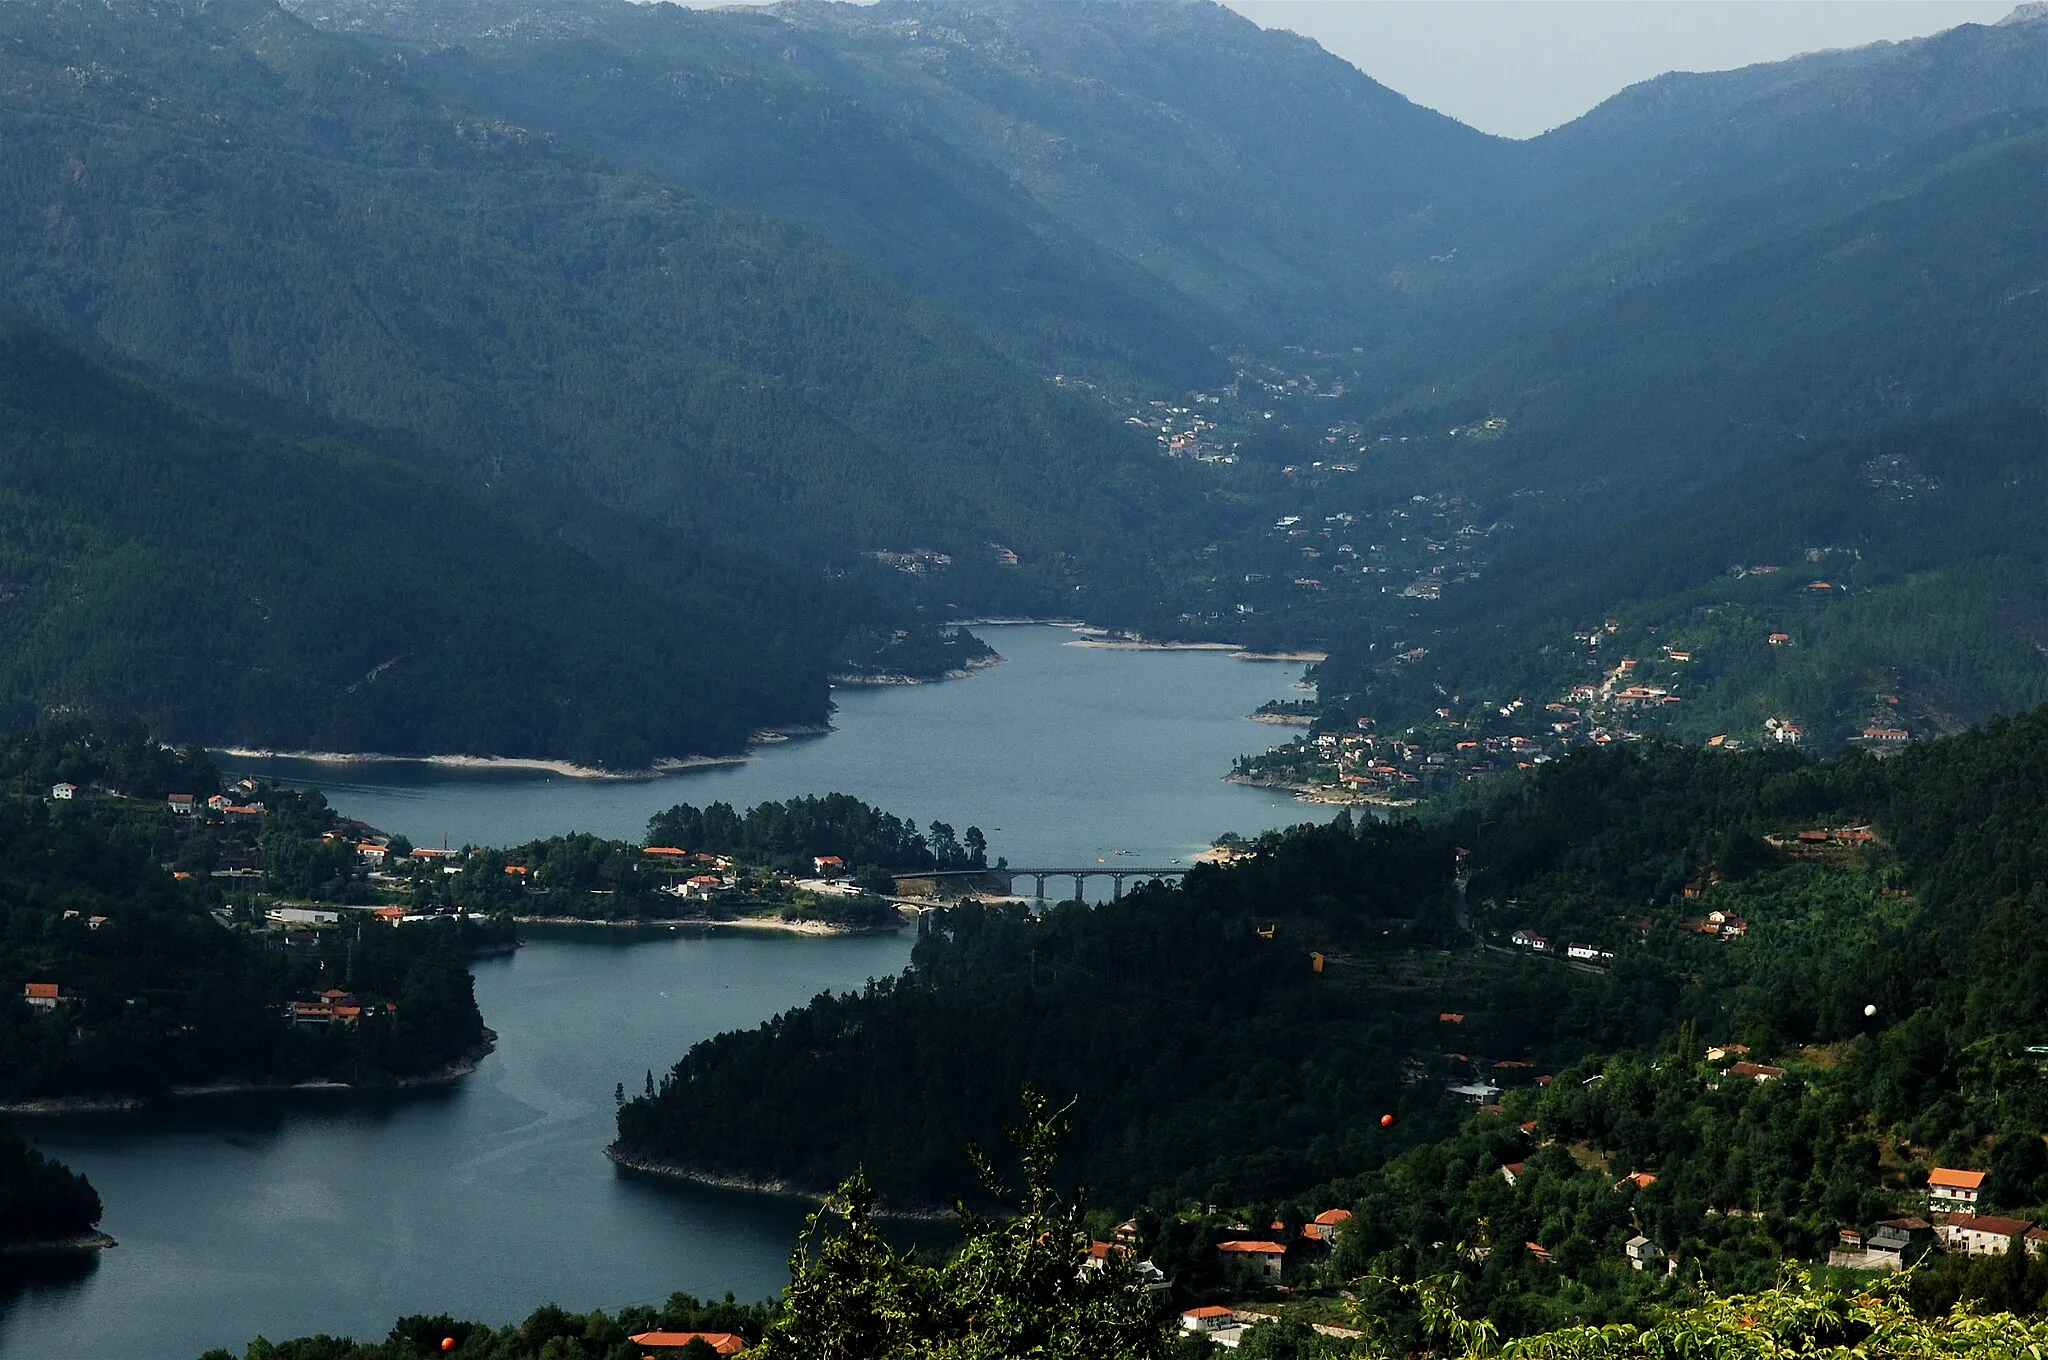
[1560, 618]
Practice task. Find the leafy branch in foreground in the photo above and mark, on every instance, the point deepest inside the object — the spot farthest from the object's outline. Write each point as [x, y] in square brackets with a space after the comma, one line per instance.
[1014, 1287]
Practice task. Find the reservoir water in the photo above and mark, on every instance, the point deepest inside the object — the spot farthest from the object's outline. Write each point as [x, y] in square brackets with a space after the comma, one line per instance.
[295, 1215]
[1062, 754]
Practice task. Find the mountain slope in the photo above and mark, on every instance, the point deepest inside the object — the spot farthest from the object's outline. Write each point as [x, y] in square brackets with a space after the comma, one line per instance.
[717, 103]
[1928, 537]
[239, 587]
[229, 195]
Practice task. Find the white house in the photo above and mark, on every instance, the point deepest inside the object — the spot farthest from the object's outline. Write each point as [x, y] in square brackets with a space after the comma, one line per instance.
[1954, 1190]
[182, 803]
[63, 793]
[1973, 1235]
[1529, 939]
[1642, 1253]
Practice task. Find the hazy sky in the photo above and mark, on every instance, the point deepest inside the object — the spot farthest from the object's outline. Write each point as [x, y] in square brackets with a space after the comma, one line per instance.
[1517, 67]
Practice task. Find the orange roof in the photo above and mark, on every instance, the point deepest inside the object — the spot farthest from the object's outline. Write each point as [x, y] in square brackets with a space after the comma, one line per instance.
[1253, 1248]
[1334, 1216]
[1101, 1250]
[1643, 1179]
[44, 990]
[1208, 1310]
[520, 869]
[1955, 1180]
[664, 850]
[725, 1343]
[1452, 1018]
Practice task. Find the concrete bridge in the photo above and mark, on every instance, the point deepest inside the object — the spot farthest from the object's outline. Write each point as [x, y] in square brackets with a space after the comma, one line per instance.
[1115, 873]
[930, 883]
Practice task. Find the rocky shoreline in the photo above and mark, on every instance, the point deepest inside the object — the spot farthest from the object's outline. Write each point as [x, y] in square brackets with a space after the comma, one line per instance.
[673, 1171]
[705, 922]
[68, 1105]
[89, 1241]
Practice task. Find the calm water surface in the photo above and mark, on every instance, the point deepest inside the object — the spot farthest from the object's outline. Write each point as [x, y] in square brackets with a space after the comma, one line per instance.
[1073, 752]
[485, 1199]
[339, 1214]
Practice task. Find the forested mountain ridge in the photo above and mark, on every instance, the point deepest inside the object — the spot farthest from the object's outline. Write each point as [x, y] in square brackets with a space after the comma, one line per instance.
[721, 104]
[243, 587]
[1926, 538]
[1218, 178]
[231, 196]
[1882, 976]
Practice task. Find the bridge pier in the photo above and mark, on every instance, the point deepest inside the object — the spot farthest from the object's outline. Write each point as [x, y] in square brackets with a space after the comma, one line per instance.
[1041, 887]
[1116, 887]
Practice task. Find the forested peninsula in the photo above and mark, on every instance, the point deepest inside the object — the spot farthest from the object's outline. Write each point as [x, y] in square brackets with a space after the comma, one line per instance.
[138, 960]
[1732, 1004]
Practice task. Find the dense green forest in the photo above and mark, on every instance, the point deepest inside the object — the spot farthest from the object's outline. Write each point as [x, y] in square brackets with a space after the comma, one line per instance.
[1889, 982]
[1028, 1281]
[152, 977]
[239, 587]
[244, 201]
[788, 834]
[41, 1200]
[1925, 539]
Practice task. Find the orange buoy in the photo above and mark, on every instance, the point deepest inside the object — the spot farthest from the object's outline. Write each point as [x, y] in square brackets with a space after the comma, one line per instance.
[1386, 1121]
[447, 1343]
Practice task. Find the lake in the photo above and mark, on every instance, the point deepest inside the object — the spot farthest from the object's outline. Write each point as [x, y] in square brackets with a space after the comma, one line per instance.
[1063, 754]
[295, 1215]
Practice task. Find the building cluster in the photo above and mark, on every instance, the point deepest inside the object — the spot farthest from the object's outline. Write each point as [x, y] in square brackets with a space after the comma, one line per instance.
[1954, 1223]
[1260, 1262]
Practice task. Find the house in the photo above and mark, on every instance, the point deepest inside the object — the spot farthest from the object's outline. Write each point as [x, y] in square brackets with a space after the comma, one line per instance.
[1716, 1054]
[1529, 939]
[63, 793]
[1210, 1317]
[1591, 952]
[1266, 1257]
[1539, 1251]
[1755, 1071]
[1099, 1254]
[1641, 1180]
[1954, 1190]
[1889, 735]
[1642, 1253]
[1789, 735]
[828, 866]
[1779, 639]
[725, 1343]
[1894, 1235]
[1513, 1171]
[217, 803]
[372, 853]
[44, 996]
[1975, 1235]
[1324, 1227]
[1451, 1017]
[182, 803]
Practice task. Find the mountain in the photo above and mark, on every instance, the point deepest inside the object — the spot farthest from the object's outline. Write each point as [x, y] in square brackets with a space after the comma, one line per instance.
[239, 586]
[1897, 571]
[1115, 182]
[740, 108]
[235, 198]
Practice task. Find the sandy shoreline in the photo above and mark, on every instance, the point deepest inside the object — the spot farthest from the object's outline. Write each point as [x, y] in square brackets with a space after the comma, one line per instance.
[667, 766]
[705, 923]
[642, 1166]
[1109, 642]
[54, 1105]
